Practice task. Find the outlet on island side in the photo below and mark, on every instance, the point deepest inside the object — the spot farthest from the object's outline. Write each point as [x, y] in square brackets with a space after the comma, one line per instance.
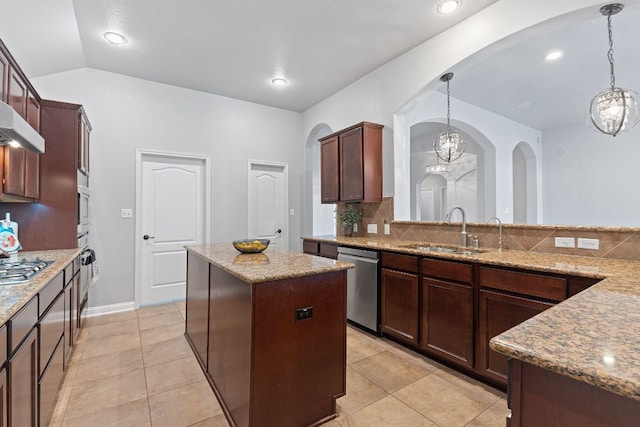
[593, 244]
[372, 228]
[304, 313]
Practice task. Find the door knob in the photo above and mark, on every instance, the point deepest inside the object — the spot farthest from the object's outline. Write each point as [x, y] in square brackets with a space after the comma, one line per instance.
[147, 237]
[279, 231]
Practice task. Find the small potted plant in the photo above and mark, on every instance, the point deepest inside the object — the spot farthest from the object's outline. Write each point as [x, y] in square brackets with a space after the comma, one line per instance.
[349, 216]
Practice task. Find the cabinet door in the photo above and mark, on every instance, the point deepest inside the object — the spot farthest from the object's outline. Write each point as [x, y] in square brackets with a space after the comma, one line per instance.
[23, 383]
[4, 76]
[499, 312]
[84, 131]
[17, 93]
[351, 166]
[447, 320]
[14, 158]
[70, 318]
[399, 295]
[4, 398]
[32, 159]
[329, 171]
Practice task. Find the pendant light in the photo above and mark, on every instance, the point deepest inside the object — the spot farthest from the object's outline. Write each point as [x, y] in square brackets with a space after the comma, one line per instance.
[615, 109]
[438, 168]
[449, 145]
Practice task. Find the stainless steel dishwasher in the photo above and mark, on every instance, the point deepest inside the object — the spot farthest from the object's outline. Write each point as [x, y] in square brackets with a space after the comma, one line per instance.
[362, 287]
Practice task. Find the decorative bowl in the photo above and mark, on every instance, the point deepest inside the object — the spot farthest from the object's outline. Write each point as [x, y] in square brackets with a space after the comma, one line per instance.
[251, 246]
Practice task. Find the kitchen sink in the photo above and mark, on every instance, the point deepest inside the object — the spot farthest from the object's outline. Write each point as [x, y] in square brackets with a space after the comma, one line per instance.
[426, 247]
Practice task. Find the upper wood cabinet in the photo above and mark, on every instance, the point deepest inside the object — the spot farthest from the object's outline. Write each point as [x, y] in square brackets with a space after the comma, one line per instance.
[351, 164]
[84, 133]
[20, 167]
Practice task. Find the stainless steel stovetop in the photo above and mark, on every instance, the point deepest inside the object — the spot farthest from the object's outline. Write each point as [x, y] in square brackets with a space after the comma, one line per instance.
[16, 272]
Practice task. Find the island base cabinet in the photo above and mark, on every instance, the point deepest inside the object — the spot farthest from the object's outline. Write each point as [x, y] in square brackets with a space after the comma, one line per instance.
[4, 398]
[538, 397]
[276, 350]
[197, 306]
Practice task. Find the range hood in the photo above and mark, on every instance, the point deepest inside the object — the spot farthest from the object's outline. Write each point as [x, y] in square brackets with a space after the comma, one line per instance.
[15, 128]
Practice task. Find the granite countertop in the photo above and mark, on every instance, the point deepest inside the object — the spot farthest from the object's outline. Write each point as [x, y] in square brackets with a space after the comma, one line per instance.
[592, 337]
[14, 297]
[272, 264]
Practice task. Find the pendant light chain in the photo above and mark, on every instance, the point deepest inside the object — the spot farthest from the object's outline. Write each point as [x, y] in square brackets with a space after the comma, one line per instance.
[448, 106]
[610, 52]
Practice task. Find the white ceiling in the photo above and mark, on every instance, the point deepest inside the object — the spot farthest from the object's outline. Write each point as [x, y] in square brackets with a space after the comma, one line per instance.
[517, 83]
[229, 48]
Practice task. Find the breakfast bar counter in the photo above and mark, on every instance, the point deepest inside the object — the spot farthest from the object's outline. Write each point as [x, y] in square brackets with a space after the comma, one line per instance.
[269, 332]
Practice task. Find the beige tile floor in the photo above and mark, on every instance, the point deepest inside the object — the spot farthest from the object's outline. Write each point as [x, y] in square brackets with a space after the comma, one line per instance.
[136, 369]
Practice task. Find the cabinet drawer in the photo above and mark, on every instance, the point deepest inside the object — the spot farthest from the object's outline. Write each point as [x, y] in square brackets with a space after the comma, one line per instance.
[310, 247]
[536, 285]
[22, 322]
[50, 292]
[3, 345]
[400, 262]
[456, 271]
[328, 250]
[51, 329]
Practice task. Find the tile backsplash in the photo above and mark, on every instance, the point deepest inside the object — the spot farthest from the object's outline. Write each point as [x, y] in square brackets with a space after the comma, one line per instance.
[615, 242]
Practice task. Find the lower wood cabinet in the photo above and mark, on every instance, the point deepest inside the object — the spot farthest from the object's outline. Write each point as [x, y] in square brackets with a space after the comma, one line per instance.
[447, 320]
[4, 398]
[198, 306]
[23, 383]
[327, 250]
[499, 312]
[50, 382]
[400, 305]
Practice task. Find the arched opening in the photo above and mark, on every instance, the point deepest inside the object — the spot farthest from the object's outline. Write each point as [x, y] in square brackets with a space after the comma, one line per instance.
[467, 184]
[525, 188]
[317, 219]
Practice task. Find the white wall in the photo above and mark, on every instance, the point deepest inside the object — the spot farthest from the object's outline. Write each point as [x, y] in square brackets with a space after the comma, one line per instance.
[590, 178]
[128, 113]
[385, 94]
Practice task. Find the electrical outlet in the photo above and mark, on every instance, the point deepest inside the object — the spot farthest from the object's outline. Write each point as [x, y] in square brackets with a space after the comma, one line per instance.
[387, 229]
[565, 242]
[372, 228]
[126, 213]
[593, 244]
[355, 227]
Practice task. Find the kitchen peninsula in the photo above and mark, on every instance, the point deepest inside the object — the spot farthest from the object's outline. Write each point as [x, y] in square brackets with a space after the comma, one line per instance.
[269, 332]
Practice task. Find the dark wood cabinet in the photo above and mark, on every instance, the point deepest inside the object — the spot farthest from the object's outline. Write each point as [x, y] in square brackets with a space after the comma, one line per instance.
[84, 133]
[197, 324]
[447, 320]
[62, 126]
[498, 312]
[23, 383]
[70, 316]
[20, 171]
[399, 298]
[4, 398]
[330, 170]
[50, 383]
[327, 250]
[351, 164]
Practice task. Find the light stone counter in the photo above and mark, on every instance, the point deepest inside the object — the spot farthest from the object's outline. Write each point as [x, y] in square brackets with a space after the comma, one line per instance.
[272, 264]
[14, 297]
[592, 337]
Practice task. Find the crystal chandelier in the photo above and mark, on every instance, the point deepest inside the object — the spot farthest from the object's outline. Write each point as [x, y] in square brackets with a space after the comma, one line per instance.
[449, 145]
[438, 168]
[613, 110]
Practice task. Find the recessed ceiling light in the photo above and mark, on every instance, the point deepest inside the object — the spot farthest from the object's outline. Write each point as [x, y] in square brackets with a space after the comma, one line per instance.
[449, 6]
[552, 56]
[115, 38]
[279, 81]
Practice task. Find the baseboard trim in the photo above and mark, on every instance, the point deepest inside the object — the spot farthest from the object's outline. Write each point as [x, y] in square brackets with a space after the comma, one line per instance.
[111, 308]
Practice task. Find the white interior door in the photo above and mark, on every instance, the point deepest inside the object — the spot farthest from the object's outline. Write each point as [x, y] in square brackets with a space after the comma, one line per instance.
[269, 203]
[172, 205]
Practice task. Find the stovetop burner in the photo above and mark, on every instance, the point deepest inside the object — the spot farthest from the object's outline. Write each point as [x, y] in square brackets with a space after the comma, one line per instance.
[15, 272]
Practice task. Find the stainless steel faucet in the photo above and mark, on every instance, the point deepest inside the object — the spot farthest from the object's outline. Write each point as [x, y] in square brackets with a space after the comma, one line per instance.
[463, 235]
[499, 231]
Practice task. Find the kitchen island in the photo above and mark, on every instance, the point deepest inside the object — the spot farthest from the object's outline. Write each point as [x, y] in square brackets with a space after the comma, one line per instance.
[269, 332]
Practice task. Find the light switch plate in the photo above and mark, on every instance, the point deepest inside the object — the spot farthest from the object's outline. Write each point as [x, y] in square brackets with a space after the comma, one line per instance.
[126, 213]
[565, 242]
[372, 228]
